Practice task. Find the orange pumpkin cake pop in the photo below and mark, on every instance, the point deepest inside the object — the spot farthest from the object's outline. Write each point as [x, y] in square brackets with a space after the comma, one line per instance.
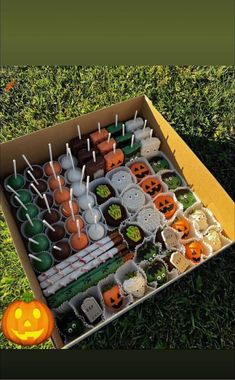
[65, 208]
[54, 183]
[71, 224]
[62, 195]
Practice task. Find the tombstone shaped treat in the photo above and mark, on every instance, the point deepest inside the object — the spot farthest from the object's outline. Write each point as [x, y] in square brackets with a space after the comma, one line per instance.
[132, 152]
[134, 284]
[70, 326]
[193, 251]
[159, 163]
[103, 192]
[149, 147]
[149, 219]
[99, 136]
[140, 169]
[95, 169]
[133, 198]
[172, 179]
[147, 251]
[152, 186]
[182, 225]
[200, 218]
[91, 310]
[121, 179]
[212, 238]
[114, 214]
[133, 234]
[185, 197]
[114, 159]
[156, 272]
[106, 146]
[112, 297]
[166, 205]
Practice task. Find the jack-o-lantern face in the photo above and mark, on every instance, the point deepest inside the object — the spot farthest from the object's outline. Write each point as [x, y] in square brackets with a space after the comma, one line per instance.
[182, 225]
[166, 205]
[114, 159]
[27, 323]
[140, 170]
[113, 298]
[194, 251]
[151, 186]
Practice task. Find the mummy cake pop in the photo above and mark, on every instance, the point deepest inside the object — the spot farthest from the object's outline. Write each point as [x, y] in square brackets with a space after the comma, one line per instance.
[15, 181]
[99, 136]
[150, 146]
[136, 123]
[133, 199]
[212, 238]
[121, 179]
[199, 217]
[149, 219]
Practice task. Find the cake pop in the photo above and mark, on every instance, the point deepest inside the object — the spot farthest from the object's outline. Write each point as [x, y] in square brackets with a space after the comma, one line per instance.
[150, 146]
[90, 213]
[22, 194]
[30, 209]
[114, 159]
[16, 181]
[40, 185]
[212, 238]
[99, 136]
[96, 231]
[61, 250]
[42, 262]
[132, 151]
[35, 169]
[95, 168]
[55, 232]
[66, 210]
[38, 243]
[134, 124]
[40, 201]
[32, 227]
[200, 218]
[71, 224]
[106, 146]
[115, 129]
[78, 240]
[79, 188]
[133, 198]
[124, 139]
[77, 143]
[159, 163]
[53, 182]
[141, 134]
[51, 217]
[84, 201]
[121, 179]
[65, 160]
[73, 174]
[56, 166]
[62, 194]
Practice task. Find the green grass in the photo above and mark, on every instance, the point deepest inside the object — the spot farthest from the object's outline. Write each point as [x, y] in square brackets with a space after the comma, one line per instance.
[199, 310]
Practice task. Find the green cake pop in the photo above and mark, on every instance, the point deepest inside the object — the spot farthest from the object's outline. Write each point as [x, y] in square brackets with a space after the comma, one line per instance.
[39, 243]
[30, 209]
[23, 195]
[159, 163]
[16, 181]
[30, 230]
[172, 180]
[185, 197]
[45, 263]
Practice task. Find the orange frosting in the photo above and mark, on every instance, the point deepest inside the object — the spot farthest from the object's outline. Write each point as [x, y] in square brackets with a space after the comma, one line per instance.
[57, 168]
[53, 182]
[63, 196]
[65, 209]
[71, 225]
[79, 242]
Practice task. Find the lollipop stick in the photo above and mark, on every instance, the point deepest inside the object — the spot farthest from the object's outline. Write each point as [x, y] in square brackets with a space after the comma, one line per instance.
[91, 210]
[14, 168]
[95, 221]
[83, 172]
[99, 127]
[32, 176]
[33, 241]
[71, 194]
[145, 123]
[27, 161]
[87, 184]
[19, 201]
[71, 158]
[151, 133]
[136, 112]
[59, 182]
[34, 257]
[50, 152]
[79, 132]
[114, 148]
[78, 228]
[57, 248]
[71, 209]
[36, 190]
[13, 191]
[52, 168]
[47, 204]
[132, 140]
[94, 156]
[123, 129]
[48, 225]
[116, 120]
[109, 137]
[29, 219]
[88, 145]
[67, 147]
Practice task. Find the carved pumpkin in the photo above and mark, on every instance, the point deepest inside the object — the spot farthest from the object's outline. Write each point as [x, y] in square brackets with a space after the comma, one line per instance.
[194, 251]
[166, 205]
[182, 225]
[27, 323]
[140, 170]
[114, 159]
[113, 298]
[152, 186]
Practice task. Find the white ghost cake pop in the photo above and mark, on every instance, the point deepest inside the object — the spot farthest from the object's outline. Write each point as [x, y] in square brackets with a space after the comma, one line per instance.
[149, 147]
[85, 200]
[135, 285]
[66, 159]
[133, 199]
[149, 219]
[90, 214]
[73, 174]
[79, 188]
[121, 179]
[96, 231]
[212, 238]
[199, 217]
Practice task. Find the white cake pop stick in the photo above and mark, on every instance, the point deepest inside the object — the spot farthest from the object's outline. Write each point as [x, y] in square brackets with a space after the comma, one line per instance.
[13, 191]
[94, 156]
[32, 176]
[71, 158]
[52, 168]
[123, 129]
[19, 201]
[36, 190]
[71, 194]
[78, 228]
[114, 148]
[91, 210]
[99, 127]
[67, 147]
[29, 219]
[151, 133]
[88, 145]
[87, 184]
[145, 123]
[71, 209]
[33, 241]
[136, 113]
[50, 152]
[59, 182]
[109, 137]
[14, 168]
[83, 173]
[57, 248]
[34, 257]
[79, 132]
[132, 140]
[27, 161]
[47, 204]
[116, 120]
[48, 225]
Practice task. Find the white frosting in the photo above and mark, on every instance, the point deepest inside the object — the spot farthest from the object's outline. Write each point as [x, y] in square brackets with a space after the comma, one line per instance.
[149, 219]
[79, 188]
[84, 201]
[90, 217]
[213, 239]
[149, 147]
[133, 199]
[74, 175]
[132, 125]
[200, 218]
[142, 134]
[121, 179]
[66, 163]
[96, 231]
[135, 285]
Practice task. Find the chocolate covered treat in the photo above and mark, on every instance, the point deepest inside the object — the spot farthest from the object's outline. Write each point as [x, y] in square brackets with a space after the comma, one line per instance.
[185, 197]
[114, 159]
[133, 125]
[33, 229]
[91, 310]
[133, 199]
[114, 214]
[140, 169]
[79, 242]
[70, 326]
[149, 147]
[172, 179]
[41, 186]
[112, 297]
[41, 201]
[16, 182]
[77, 144]
[147, 251]
[103, 192]
[37, 172]
[24, 196]
[141, 134]
[156, 272]
[135, 284]
[30, 209]
[51, 217]
[212, 238]
[193, 251]
[132, 152]
[121, 179]
[149, 219]
[39, 243]
[166, 205]
[123, 140]
[95, 169]
[159, 163]
[57, 234]
[85, 156]
[133, 234]
[106, 146]
[96, 231]
[61, 250]
[49, 171]
[182, 225]
[45, 263]
[152, 186]
[99, 136]
[115, 129]
[199, 217]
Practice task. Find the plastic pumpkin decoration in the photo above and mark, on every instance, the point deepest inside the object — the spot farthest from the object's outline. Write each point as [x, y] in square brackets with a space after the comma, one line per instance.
[151, 186]
[113, 298]
[140, 170]
[27, 323]
[182, 225]
[166, 205]
[194, 251]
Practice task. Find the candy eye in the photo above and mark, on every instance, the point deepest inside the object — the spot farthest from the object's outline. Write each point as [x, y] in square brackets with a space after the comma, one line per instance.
[130, 196]
[73, 325]
[136, 195]
[147, 150]
[163, 275]
[159, 278]
[70, 330]
[185, 196]
[145, 219]
[119, 179]
[123, 177]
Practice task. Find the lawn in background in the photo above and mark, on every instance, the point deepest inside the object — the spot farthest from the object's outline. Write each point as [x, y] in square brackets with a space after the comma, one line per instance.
[199, 310]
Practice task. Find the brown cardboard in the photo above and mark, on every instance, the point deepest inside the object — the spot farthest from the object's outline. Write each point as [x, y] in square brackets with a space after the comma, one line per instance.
[35, 147]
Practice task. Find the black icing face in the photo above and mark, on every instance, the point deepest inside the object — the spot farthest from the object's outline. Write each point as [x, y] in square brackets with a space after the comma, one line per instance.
[70, 326]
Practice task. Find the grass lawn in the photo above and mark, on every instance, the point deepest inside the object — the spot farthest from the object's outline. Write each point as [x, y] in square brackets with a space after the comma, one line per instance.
[199, 310]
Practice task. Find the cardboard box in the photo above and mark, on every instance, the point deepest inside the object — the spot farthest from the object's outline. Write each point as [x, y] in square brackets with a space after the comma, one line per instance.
[35, 146]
